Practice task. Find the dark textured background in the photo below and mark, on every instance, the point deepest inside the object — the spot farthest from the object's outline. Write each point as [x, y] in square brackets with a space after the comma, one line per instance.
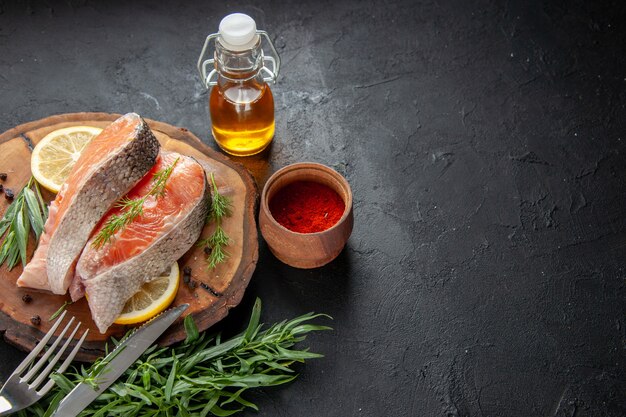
[485, 146]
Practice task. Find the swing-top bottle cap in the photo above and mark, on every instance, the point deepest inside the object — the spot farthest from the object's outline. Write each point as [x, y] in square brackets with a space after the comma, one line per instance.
[238, 32]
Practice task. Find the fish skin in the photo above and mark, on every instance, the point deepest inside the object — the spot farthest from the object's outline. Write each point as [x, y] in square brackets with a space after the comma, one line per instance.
[109, 288]
[113, 176]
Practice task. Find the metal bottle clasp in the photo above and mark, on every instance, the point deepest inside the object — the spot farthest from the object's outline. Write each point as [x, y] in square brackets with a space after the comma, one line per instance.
[210, 79]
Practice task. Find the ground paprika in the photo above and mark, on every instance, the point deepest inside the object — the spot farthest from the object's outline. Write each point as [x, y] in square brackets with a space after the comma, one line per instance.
[307, 207]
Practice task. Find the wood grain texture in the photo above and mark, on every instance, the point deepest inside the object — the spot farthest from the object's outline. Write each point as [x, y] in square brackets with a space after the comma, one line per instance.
[212, 293]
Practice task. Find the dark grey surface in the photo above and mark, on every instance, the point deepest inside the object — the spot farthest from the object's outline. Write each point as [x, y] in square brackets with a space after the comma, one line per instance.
[484, 144]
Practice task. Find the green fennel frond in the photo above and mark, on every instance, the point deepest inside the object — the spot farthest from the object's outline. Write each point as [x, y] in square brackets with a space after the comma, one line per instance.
[132, 208]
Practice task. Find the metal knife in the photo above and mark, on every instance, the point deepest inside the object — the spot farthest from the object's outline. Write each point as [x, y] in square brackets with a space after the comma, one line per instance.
[120, 359]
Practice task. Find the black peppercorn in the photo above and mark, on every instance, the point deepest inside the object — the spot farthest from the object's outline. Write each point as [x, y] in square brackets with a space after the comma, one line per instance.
[192, 284]
[186, 279]
[207, 250]
[8, 194]
[3, 176]
[187, 270]
[36, 320]
[1, 188]
[27, 298]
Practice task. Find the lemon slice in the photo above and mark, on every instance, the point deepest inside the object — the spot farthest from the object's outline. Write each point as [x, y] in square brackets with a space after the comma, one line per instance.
[55, 155]
[153, 297]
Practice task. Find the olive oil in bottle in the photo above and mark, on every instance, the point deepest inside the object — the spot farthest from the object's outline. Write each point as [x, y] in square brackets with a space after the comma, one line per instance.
[241, 103]
[242, 117]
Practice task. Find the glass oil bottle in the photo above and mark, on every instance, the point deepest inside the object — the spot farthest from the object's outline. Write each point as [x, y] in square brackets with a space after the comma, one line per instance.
[241, 102]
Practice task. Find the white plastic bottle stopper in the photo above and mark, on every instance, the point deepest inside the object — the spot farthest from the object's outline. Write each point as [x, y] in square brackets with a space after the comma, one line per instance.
[238, 32]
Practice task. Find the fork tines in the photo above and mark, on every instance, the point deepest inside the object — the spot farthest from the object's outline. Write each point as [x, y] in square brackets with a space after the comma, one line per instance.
[35, 379]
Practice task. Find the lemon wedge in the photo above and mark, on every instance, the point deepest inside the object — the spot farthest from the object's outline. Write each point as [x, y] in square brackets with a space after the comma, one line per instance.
[153, 297]
[55, 155]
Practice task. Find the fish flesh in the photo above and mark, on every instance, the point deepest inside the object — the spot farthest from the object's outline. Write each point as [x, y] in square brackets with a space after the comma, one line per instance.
[167, 227]
[109, 166]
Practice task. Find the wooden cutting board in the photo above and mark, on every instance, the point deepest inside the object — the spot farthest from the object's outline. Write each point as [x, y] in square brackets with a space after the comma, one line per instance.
[215, 291]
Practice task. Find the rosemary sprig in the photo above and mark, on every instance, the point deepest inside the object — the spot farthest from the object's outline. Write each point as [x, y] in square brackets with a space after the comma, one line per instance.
[27, 212]
[201, 376]
[132, 208]
[221, 207]
[60, 310]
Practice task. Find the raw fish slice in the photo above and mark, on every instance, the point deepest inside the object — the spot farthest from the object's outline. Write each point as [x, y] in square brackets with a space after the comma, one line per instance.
[109, 166]
[167, 228]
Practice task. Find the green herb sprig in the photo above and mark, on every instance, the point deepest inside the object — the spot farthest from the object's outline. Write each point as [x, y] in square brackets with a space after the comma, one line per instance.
[60, 310]
[221, 206]
[132, 208]
[27, 212]
[201, 376]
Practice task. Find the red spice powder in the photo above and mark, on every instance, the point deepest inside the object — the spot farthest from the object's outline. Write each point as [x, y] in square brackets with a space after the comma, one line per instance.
[307, 207]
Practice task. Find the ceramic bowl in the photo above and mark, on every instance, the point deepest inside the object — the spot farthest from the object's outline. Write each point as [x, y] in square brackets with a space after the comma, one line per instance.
[306, 250]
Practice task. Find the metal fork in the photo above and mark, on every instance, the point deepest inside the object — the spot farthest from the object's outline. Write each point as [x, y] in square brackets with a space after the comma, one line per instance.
[23, 387]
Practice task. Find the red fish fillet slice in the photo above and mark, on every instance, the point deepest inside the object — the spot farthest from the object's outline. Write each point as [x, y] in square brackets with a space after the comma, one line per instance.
[167, 228]
[115, 137]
